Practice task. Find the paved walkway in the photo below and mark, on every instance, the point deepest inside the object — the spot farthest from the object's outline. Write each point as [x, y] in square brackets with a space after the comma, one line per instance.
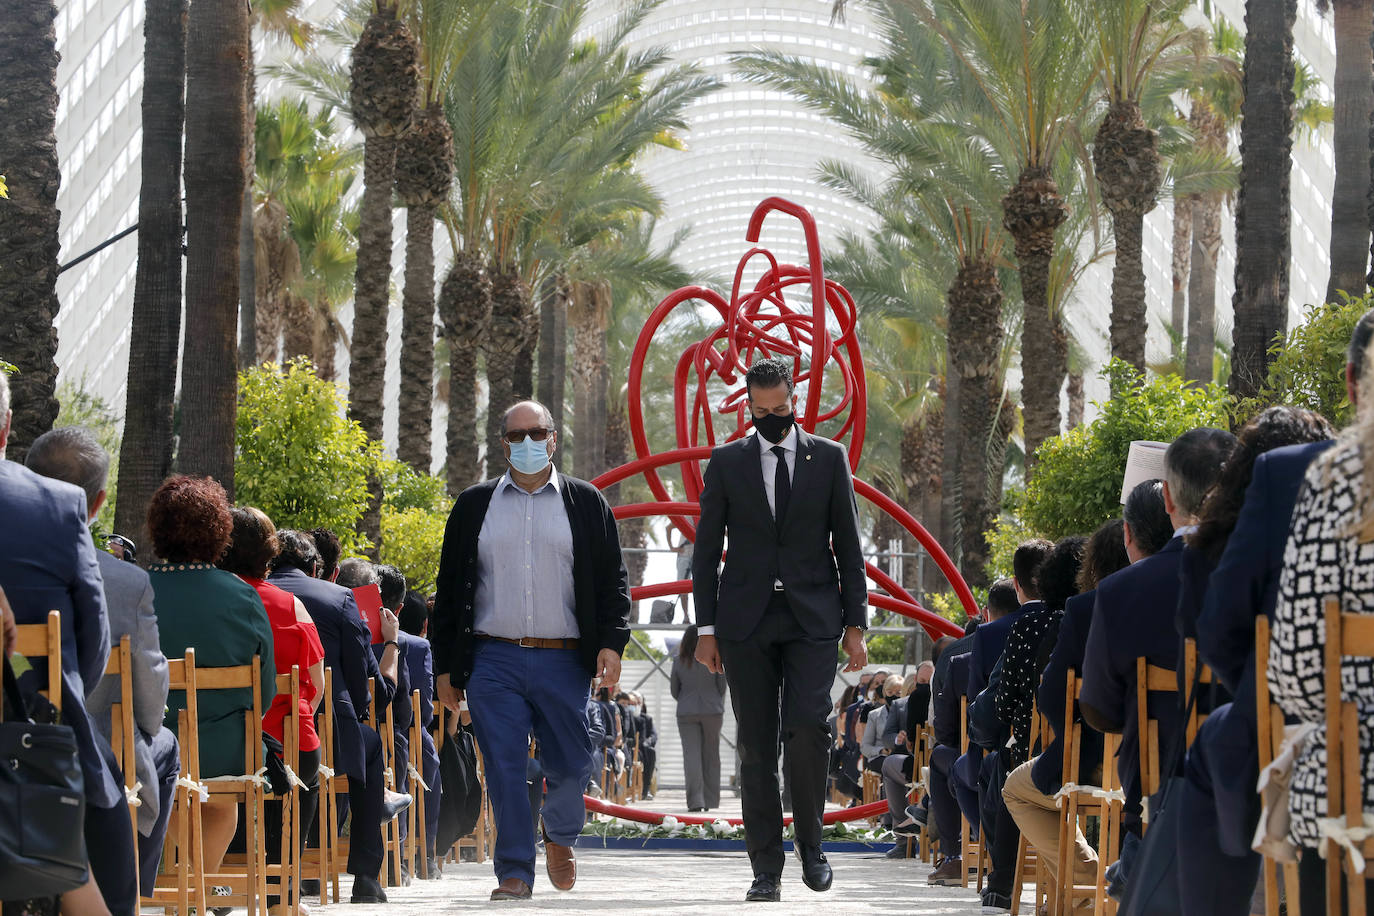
[668, 883]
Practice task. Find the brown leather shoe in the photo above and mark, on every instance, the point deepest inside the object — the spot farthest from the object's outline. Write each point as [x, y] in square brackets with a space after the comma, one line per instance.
[512, 889]
[561, 863]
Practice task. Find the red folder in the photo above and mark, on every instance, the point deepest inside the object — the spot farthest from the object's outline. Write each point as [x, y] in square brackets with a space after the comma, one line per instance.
[369, 598]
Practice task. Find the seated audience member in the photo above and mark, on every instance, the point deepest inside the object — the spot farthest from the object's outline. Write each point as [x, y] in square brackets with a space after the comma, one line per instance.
[1221, 810]
[414, 621]
[221, 617]
[356, 675]
[73, 455]
[899, 770]
[596, 727]
[295, 643]
[1133, 617]
[49, 562]
[874, 745]
[392, 583]
[980, 772]
[1330, 554]
[944, 649]
[1029, 789]
[948, 797]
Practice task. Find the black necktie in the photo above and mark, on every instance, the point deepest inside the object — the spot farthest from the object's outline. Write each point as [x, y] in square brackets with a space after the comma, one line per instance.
[782, 486]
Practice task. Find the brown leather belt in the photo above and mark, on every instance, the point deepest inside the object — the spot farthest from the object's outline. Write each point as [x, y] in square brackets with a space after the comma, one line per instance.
[533, 642]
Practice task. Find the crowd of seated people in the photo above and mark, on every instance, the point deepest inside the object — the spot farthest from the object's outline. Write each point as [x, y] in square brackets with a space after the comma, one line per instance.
[235, 589]
[624, 746]
[1273, 521]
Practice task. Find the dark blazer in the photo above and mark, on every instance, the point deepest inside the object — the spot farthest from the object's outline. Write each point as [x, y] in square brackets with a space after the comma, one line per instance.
[1048, 768]
[602, 596]
[947, 701]
[815, 552]
[958, 647]
[48, 563]
[348, 650]
[1243, 586]
[1133, 616]
[419, 663]
[988, 642]
[398, 710]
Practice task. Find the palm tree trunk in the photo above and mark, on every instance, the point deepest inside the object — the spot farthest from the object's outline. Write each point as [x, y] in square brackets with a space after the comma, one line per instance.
[1128, 324]
[1179, 268]
[553, 352]
[248, 287]
[1263, 246]
[145, 452]
[513, 323]
[589, 310]
[1076, 401]
[29, 219]
[1354, 103]
[1032, 211]
[1202, 289]
[367, 355]
[414, 445]
[298, 342]
[216, 55]
[461, 468]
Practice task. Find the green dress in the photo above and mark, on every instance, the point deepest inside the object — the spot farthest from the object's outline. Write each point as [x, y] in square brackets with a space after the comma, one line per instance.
[222, 618]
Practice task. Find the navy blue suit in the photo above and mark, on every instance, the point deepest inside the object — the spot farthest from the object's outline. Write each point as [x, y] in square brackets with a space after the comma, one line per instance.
[947, 801]
[988, 642]
[1048, 769]
[357, 747]
[1219, 810]
[1133, 616]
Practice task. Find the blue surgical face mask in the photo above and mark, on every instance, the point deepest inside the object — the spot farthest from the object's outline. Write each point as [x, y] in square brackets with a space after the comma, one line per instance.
[528, 456]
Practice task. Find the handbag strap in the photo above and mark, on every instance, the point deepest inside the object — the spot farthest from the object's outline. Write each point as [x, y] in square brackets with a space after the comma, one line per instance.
[12, 694]
[1180, 742]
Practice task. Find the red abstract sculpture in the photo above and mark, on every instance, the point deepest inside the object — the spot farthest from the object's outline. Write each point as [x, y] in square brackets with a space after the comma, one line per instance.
[761, 324]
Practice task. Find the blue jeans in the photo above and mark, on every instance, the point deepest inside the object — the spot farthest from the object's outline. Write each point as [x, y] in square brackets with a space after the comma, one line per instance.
[512, 693]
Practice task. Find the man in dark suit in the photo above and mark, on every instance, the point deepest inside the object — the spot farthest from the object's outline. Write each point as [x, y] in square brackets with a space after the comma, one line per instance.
[1134, 616]
[414, 619]
[357, 674]
[786, 499]
[532, 604]
[73, 455]
[48, 562]
[946, 803]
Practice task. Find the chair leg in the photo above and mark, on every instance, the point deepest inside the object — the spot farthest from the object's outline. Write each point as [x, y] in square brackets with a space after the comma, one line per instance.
[1019, 876]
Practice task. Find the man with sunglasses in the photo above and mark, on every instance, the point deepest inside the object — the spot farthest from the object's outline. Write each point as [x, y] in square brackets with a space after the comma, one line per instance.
[793, 586]
[532, 604]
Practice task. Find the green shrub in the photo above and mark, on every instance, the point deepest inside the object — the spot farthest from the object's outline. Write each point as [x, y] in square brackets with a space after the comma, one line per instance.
[406, 489]
[411, 541]
[1077, 482]
[1308, 366]
[81, 408]
[298, 458]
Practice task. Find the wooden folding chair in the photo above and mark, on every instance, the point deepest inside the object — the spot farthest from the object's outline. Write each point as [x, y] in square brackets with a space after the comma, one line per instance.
[391, 831]
[1150, 679]
[181, 883]
[1029, 863]
[44, 640]
[123, 739]
[1347, 635]
[1077, 801]
[970, 850]
[1270, 732]
[415, 815]
[289, 867]
[1192, 665]
[325, 862]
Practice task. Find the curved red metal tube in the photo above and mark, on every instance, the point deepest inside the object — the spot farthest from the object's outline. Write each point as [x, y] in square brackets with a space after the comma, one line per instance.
[625, 813]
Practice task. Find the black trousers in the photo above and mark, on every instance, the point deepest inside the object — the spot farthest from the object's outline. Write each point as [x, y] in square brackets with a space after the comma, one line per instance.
[1001, 835]
[365, 801]
[110, 847]
[1312, 887]
[780, 680]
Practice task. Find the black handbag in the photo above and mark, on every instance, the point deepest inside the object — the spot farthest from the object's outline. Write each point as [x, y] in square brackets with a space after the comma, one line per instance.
[462, 805]
[1152, 885]
[42, 804]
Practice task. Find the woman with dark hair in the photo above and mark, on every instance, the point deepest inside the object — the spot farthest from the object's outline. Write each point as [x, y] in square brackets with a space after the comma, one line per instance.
[221, 617]
[700, 699]
[1104, 554]
[295, 641]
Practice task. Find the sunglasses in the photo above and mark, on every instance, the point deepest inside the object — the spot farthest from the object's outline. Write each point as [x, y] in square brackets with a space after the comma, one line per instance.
[538, 434]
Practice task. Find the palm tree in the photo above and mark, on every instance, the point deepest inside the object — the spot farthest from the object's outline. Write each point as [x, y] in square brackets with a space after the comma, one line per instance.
[1263, 246]
[464, 309]
[29, 218]
[1354, 104]
[1134, 42]
[383, 92]
[145, 453]
[216, 55]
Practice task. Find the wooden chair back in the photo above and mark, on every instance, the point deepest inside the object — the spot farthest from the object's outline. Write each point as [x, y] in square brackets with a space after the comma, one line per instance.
[971, 851]
[44, 640]
[1150, 679]
[181, 884]
[123, 739]
[1030, 862]
[1103, 801]
[1270, 731]
[1347, 636]
[1193, 665]
[417, 849]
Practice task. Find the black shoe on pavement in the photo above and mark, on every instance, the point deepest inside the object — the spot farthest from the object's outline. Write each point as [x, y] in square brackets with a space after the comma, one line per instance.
[908, 827]
[994, 902]
[898, 851]
[765, 889]
[310, 887]
[949, 873]
[918, 813]
[367, 890]
[816, 873]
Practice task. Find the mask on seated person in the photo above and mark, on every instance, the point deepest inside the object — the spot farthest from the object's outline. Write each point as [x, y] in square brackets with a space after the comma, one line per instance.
[528, 456]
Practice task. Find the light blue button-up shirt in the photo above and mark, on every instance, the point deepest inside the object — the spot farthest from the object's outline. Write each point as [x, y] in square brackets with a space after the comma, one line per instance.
[525, 564]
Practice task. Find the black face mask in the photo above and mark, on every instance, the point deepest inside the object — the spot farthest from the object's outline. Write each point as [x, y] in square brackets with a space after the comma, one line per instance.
[773, 427]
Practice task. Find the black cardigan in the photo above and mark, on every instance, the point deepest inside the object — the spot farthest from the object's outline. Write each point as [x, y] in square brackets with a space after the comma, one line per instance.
[599, 580]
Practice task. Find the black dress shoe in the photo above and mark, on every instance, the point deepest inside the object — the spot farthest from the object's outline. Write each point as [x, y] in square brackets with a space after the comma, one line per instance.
[394, 805]
[765, 889]
[310, 887]
[816, 873]
[367, 890]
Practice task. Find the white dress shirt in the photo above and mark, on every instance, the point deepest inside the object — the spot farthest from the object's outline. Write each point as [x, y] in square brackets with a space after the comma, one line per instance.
[524, 564]
[769, 461]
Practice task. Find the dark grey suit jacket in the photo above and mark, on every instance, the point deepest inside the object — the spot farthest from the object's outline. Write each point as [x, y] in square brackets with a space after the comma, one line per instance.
[129, 601]
[815, 550]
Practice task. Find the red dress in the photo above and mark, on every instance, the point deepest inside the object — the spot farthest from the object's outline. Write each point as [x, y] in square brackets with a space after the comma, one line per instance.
[294, 642]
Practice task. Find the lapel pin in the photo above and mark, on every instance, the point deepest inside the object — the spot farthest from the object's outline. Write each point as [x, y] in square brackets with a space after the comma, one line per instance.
[808, 457]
